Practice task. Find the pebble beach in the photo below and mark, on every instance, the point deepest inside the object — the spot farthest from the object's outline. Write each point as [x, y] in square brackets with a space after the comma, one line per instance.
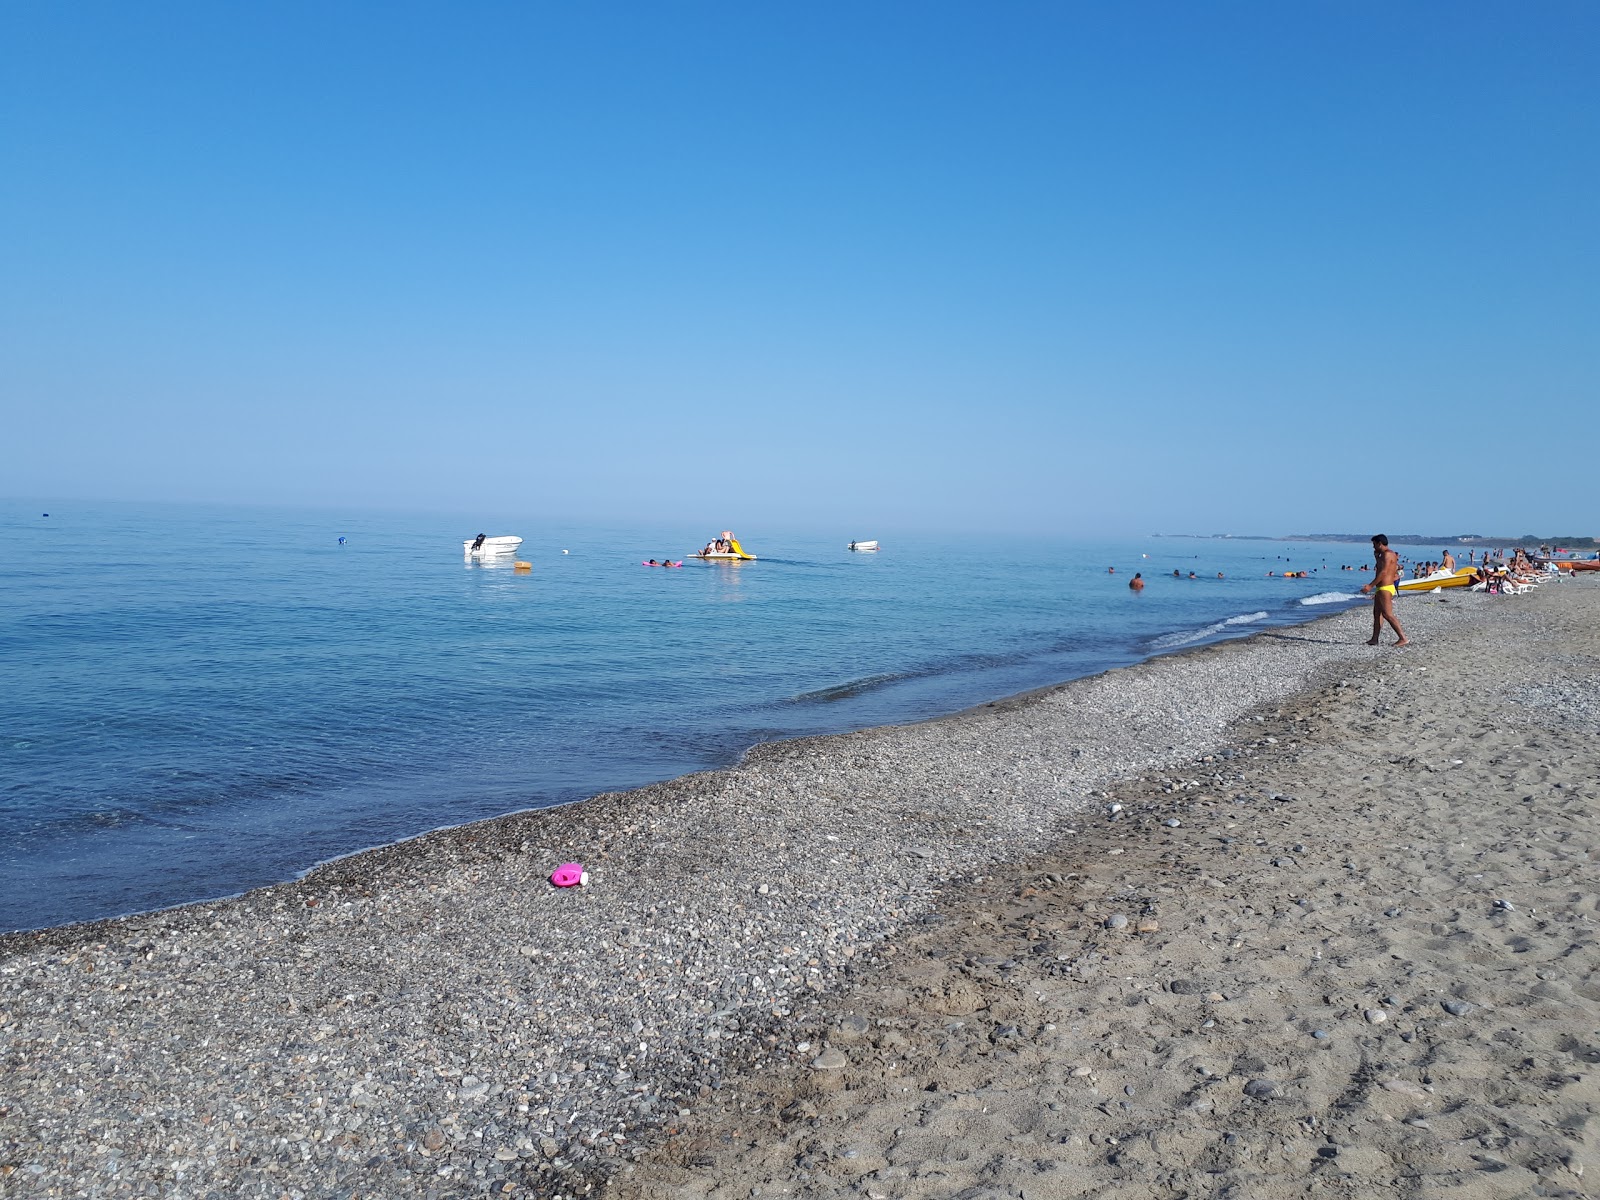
[1280, 916]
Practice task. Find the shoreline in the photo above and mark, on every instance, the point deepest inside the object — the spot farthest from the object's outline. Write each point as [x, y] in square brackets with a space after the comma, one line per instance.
[419, 1018]
[1003, 703]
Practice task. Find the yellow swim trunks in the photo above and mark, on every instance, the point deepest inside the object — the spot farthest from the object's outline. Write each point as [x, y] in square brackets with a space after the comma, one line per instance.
[1388, 587]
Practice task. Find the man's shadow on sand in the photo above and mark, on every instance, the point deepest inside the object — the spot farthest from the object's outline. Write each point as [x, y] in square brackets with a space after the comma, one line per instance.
[1300, 637]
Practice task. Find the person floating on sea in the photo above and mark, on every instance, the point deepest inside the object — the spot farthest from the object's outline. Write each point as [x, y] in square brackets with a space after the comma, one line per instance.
[1383, 588]
[1137, 582]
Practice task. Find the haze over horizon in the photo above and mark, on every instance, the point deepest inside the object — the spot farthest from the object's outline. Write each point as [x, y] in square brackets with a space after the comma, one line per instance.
[1036, 268]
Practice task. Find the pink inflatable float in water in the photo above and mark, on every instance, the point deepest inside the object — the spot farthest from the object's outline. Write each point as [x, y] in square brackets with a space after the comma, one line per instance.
[569, 875]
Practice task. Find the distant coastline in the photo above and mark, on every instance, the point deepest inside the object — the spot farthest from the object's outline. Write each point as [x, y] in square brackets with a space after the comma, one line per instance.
[1401, 539]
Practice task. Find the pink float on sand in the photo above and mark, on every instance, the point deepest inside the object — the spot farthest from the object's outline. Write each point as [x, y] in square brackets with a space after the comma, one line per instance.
[569, 875]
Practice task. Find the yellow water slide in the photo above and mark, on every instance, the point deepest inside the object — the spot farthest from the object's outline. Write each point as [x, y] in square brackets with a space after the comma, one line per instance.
[738, 549]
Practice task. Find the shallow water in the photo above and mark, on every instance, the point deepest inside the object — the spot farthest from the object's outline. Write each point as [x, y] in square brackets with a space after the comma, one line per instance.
[197, 702]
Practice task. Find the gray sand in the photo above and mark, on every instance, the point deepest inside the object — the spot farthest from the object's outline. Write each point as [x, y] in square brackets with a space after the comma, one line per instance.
[432, 1019]
[1362, 963]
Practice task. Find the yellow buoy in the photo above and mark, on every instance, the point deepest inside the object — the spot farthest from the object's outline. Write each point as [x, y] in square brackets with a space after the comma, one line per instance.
[519, 565]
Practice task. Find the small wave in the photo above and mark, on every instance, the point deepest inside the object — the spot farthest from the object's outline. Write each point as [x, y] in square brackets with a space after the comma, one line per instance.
[1172, 641]
[1330, 597]
[843, 691]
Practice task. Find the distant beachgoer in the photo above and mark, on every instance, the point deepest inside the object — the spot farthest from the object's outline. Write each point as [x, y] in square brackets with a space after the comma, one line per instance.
[477, 542]
[1219, 574]
[1192, 575]
[1111, 570]
[1137, 582]
[1384, 589]
[1175, 575]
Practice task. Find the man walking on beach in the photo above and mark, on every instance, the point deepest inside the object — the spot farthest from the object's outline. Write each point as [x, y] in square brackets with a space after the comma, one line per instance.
[1386, 575]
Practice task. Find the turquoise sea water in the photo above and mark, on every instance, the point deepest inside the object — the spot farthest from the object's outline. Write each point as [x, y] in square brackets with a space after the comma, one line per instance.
[197, 702]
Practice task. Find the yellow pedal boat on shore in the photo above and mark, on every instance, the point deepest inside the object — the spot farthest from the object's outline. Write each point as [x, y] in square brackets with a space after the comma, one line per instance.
[1460, 577]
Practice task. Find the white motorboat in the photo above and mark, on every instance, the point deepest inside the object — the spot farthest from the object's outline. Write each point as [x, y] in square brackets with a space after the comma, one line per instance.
[863, 545]
[490, 547]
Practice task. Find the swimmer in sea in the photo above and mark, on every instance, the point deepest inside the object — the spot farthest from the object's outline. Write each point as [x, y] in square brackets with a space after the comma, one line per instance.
[1137, 582]
[1384, 588]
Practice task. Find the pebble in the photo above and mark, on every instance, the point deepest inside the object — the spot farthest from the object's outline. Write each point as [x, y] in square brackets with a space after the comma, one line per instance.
[1375, 1016]
[852, 1026]
[830, 1060]
[1261, 1089]
[1456, 1008]
[1117, 921]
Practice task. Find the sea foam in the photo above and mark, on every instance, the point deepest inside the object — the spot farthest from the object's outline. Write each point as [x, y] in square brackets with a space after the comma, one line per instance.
[1172, 641]
[1331, 597]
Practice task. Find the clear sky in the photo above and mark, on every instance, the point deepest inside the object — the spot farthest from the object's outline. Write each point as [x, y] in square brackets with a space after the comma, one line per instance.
[1084, 268]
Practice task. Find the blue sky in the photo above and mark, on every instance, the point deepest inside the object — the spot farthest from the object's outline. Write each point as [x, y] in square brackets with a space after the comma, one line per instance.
[1256, 267]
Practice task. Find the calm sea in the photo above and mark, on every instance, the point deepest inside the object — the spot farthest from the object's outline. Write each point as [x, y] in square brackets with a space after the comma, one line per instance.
[198, 702]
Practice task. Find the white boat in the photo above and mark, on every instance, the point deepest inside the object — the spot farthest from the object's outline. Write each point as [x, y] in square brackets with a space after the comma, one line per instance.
[490, 546]
[863, 545]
